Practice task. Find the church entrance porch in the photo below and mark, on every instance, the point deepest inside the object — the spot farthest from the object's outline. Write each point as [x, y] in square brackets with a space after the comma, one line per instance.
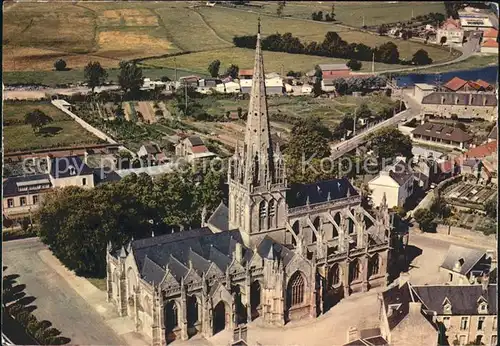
[220, 317]
[255, 296]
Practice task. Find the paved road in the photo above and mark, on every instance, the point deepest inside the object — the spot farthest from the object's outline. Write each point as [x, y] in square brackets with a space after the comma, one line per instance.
[56, 301]
[413, 109]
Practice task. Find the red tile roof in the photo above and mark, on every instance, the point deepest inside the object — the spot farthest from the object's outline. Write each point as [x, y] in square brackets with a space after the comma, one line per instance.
[248, 72]
[199, 149]
[492, 33]
[482, 83]
[482, 150]
[490, 43]
[455, 84]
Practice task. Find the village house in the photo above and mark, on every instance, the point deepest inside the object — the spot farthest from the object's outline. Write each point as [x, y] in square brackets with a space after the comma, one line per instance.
[331, 72]
[457, 84]
[422, 89]
[395, 183]
[490, 42]
[441, 135]
[475, 19]
[193, 148]
[273, 82]
[452, 30]
[152, 153]
[463, 266]
[22, 194]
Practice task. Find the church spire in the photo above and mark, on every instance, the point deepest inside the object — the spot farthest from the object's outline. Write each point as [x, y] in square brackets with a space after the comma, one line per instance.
[258, 151]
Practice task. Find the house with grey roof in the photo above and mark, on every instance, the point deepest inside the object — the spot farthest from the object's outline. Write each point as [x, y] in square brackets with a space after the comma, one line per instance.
[441, 136]
[278, 252]
[466, 266]
[395, 184]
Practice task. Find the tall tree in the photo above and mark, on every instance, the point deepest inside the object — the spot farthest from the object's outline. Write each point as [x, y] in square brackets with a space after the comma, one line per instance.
[233, 71]
[213, 68]
[130, 77]
[60, 65]
[354, 65]
[310, 138]
[425, 219]
[37, 119]
[95, 74]
[280, 8]
[421, 57]
[390, 142]
[387, 53]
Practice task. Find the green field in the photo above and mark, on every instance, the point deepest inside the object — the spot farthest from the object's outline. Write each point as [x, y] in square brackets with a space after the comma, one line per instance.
[352, 12]
[36, 34]
[475, 61]
[63, 131]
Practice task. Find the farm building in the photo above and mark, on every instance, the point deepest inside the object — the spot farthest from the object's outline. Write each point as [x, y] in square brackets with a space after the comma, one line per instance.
[440, 135]
[274, 85]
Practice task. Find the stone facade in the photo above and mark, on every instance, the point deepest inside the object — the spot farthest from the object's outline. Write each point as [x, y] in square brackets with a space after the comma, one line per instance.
[275, 253]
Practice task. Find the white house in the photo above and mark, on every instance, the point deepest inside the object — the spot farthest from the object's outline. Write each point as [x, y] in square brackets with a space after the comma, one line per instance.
[395, 182]
[232, 87]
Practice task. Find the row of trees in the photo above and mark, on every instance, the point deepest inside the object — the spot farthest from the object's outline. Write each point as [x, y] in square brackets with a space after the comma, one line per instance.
[77, 223]
[332, 46]
[214, 67]
[328, 17]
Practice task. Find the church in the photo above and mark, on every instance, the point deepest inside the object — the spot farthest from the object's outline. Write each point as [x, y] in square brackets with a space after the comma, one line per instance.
[273, 253]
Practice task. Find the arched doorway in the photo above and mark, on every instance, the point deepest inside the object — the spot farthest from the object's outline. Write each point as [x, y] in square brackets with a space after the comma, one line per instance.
[295, 293]
[192, 315]
[171, 318]
[241, 310]
[219, 317]
[334, 291]
[255, 296]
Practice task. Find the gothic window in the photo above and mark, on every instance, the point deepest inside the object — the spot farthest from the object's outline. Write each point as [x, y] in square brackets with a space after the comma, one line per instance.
[296, 290]
[171, 315]
[334, 276]
[317, 225]
[272, 214]
[354, 271]
[373, 266]
[262, 214]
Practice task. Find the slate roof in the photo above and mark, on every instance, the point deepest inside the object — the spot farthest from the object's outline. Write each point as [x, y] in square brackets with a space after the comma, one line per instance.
[400, 172]
[195, 140]
[152, 148]
[198, 248]
[220, 218]
[400, 298]
[463, 298]
[494, 133]
[444, 132]
[470, 257]
[449, 98]
[11, 189]
[102, 175]
[319, 192]
[60, 167]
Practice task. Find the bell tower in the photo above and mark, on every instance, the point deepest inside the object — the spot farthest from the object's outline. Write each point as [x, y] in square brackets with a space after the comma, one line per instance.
[256, 175]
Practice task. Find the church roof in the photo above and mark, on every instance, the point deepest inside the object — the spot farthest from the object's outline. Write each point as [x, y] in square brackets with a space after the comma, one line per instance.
[220, 218]
[319, 192]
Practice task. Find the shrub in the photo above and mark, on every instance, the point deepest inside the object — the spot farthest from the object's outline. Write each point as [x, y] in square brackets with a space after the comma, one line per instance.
[60, 65]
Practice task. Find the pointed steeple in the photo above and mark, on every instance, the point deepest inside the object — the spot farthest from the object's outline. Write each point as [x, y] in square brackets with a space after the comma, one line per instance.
[258, 151]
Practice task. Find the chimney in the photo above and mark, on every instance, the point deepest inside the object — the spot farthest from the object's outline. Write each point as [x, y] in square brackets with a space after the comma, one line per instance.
[415, 307]
[238, 252]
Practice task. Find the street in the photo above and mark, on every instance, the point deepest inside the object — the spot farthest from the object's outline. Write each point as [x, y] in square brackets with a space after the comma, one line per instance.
[55, 300]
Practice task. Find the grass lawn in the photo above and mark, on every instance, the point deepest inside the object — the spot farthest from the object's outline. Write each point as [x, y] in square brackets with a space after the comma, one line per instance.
[352, 12]
[244, 58]
[63, 131]
[53, 78]
[475, 61]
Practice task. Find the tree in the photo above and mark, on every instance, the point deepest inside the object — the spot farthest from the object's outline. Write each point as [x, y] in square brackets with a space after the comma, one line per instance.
[400, 211]
[279, 9]
[165, 79]
[240, 113]
[389, 143]
[443, 40]
[490, 207]
[95, 75]
[213, 68]
[354, 65]
[387, 53]
[382, 30]
[425, 219]
[37, 119]
[318, 74]
[310, 139]
[130, 77]
[60, 65]
[233, 71]
[363, 111]
[332, 13]
[421, 57]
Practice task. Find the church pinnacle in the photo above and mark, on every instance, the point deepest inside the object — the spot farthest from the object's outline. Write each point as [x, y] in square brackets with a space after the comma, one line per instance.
[258, 151]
